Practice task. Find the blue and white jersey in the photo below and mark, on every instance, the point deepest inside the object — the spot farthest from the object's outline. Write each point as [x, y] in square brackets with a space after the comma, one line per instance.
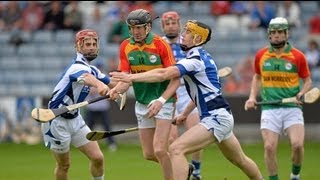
[68, 91]
[176, 49]
[200, 74]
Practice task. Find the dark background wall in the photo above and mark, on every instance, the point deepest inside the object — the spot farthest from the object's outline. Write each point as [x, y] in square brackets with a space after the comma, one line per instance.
[127, 115]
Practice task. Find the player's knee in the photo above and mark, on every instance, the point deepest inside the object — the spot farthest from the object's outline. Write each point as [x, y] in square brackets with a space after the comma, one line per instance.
[149, 156]
[270, 148]
[297, 147]
[175, 149]
[63, 166]
[160, 152]
[97, 159]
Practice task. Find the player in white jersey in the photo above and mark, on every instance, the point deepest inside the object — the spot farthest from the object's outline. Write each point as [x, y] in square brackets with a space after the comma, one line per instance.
[200, 75]
[70, 128]
[171, 27]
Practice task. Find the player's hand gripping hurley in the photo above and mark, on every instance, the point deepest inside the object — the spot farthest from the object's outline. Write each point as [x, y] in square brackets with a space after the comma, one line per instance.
[309, 97]
[46, 115]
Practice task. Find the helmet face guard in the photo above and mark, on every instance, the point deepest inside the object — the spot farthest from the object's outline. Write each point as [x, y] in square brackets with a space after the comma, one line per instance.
[167, 17]
[278, 24]
[199, 29]
[83, 35]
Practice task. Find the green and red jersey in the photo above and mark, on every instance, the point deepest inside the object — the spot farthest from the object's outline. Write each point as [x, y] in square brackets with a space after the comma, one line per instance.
[280, 74]
[155, 53]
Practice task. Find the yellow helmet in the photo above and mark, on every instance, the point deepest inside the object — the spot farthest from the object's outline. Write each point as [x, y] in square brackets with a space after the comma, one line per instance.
[198, 28]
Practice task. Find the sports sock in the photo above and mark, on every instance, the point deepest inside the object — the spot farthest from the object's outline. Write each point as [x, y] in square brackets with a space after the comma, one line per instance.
[296, 169]
[274, 177]
[197, 165]
[98, 178]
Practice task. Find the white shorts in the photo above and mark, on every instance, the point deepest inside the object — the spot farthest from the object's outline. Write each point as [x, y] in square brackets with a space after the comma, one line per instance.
[59, 133]
[220, 123]
[183, 100]
[278, 120]
[166, 113]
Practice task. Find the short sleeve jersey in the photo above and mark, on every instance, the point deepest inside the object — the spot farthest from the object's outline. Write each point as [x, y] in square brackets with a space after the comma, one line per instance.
[200, 74]
[155, 53]
[280, 74]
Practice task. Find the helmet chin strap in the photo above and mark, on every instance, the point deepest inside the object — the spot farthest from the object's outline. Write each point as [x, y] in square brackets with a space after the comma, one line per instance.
[278, 45]
[171, 36]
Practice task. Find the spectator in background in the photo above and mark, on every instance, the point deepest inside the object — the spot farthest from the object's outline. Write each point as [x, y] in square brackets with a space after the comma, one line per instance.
[73, 17]
[12, 18]
[230, 85]
[97, 20]
[260, 15]
[291, 11]
[219, 8]
[54, 17]
[32, 16]
[119, 30]
[147, 5]
[314, 24]
[245, 72]
[98, 113]
[313, 54]
[239, 8]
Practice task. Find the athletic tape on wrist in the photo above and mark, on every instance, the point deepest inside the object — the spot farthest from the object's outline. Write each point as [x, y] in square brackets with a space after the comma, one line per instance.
[81, 79]
[162, 100]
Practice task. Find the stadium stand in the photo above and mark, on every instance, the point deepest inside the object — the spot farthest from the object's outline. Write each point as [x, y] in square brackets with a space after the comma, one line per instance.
[44, 55]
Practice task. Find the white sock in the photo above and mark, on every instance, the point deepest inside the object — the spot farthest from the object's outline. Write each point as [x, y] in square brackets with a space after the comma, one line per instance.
[98, 178]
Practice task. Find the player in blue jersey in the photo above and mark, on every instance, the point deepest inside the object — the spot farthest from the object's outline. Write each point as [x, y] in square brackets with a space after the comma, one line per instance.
[200, 75]
[171, 27]
[70, 128]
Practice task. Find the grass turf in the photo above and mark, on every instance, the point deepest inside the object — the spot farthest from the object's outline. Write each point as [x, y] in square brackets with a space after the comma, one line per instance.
[35, 162]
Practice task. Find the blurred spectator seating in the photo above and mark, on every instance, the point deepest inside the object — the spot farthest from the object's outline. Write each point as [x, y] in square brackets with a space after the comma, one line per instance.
[291, 11]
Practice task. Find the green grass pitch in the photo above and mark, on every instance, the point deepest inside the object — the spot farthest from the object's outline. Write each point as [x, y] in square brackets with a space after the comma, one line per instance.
[35, 162]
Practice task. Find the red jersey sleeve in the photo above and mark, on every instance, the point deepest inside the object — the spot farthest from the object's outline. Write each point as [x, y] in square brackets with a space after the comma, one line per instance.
[124, 65]
[303, 68]
[257, 60]
[166, 53]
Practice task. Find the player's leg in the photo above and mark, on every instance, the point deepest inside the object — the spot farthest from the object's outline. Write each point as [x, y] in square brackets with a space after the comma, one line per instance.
[271, 127]
[160, 145]
[161, 138]
[146, 131]
[90, 148]
[294, 128]
[93, 152]
[57, 138]
[192, 120]
[174, 133]
[190, 141]
[296, 136]
[62, 165]
[232, 150]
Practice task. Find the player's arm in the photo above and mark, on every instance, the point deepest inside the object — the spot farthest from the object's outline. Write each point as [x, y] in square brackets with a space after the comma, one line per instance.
[154, 75]
[255, 88]
[183, 116]
[90, 80]
[307, 85]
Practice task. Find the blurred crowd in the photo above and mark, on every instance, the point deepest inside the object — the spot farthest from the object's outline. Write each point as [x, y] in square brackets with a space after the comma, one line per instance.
[108, 17]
